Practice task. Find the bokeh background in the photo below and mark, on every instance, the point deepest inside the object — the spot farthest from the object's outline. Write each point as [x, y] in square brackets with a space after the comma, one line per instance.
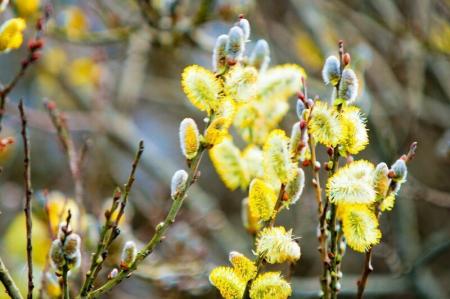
[113, 68]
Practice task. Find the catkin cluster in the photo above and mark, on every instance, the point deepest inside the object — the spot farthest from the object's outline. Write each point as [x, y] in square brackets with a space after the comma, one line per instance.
[269, 168]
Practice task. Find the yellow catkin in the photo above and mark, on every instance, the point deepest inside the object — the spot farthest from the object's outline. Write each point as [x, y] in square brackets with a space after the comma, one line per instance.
[189, 138]
[240, 83]
[84, 71]
[261, 199]
[277, 158]
[227, 161]
[360, 227]
[352, 184]
[253, 158]
[270, 285]
[381, 180]
[277, 246]
[57, 207]
[52, 288]
[201, 87]
[354, 132]
[324, 125]
[15, 246]
[229, 284]
[216, 131]
[250, 222]
[11, 34]
[227, 110]
[27, 8]
[280, 81]
[244, 268]
[388, 203]
[76, 23]
[294, 188]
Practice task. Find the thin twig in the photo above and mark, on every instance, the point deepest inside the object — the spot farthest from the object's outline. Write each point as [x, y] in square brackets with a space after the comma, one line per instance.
[32, 56]
[28, 195]
[161, 229]
[331, 222]
[8, 282]
[129, 184]
[101, 251]
[66, 140]
[323, 246]
[65, 270]
[110, 230]
[333, 252]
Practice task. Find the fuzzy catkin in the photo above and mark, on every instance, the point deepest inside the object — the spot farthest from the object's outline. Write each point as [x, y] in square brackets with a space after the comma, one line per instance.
[219, 57]
[331, 72]
[348, 86]
[178, 183]
[236, 45]
[260, 56]
[189, 138]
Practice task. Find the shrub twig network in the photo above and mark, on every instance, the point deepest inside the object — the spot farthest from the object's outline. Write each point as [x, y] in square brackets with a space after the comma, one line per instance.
[245, 95]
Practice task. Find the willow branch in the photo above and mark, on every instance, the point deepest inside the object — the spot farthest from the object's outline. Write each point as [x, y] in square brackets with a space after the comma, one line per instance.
[100, 253]
[109, 231]
[32, 55]
[59, 122]
[65, 270]
[28, 195]
[161, 229]
[8, 282]
[333, 253]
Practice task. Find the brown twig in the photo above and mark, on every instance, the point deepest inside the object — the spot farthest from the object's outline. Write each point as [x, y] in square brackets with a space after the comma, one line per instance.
[110, 229]
[65, 271]
[28, 195]
[331, 222]
[333, 250]
[66, 140]
[34, 46]
[161, 229]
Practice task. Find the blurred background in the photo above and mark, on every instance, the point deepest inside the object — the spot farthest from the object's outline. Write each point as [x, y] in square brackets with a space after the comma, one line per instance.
[113, 68]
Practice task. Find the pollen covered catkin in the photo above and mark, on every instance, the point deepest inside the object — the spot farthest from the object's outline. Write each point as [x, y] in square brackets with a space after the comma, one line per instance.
[189, 138]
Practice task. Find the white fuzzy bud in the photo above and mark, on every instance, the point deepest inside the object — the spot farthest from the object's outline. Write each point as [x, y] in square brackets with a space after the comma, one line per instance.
[113, 273]
[236, 45]
[293, 251]
[56, 255]
[296, 138]
[260, 57]
[300, 108]
[348, 86]
[245, 26]
[219, 58]
[179, 180]
[129, 254]
[72, 245]
[400, 170]
[331, 71]
[294, 188]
